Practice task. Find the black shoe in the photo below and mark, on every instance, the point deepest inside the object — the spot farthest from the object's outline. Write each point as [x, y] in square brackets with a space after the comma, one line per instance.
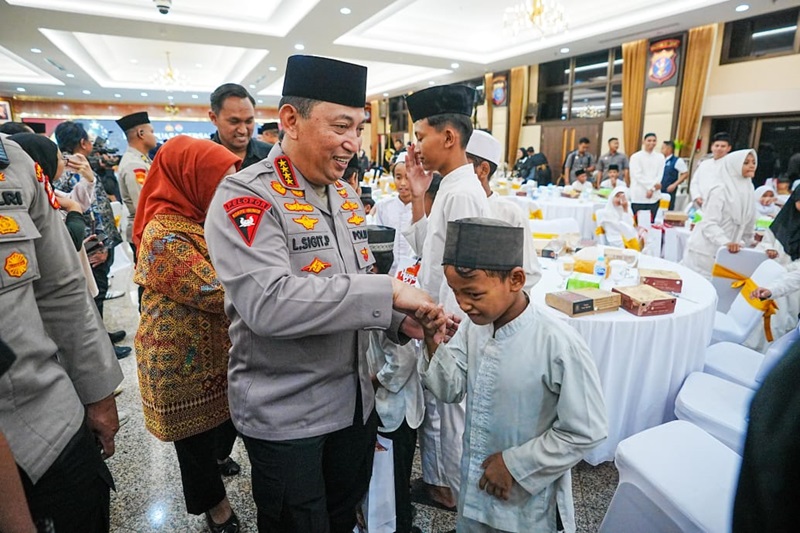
[117, 336]
[229, 467]
[122, 351]
[231, 525]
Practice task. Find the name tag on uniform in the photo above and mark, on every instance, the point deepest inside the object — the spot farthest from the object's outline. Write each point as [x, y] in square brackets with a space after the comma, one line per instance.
[302, 243]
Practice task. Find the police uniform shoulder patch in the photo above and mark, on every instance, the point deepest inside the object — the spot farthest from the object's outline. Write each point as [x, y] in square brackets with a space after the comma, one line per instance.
[299, 193]
[140, 174]
[316, 266]
[39, 172]
[246, 213]
[16, 265]
[342, 192]
[51, 195]
[286, 172]
[2, 177]
[8, 225]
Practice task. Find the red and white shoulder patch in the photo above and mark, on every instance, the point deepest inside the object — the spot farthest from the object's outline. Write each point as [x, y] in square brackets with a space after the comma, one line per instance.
[246, 213]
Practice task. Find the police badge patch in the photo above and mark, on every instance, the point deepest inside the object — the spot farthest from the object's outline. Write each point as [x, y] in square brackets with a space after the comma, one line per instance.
[246, 213]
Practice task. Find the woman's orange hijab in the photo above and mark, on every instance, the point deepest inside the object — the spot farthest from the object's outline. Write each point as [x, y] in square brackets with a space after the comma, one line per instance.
[182, 181]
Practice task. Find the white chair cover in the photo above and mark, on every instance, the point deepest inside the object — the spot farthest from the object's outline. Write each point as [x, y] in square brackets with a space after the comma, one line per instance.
[717, 406]
[745, 262]
[673, 478]
[733, 362]
[740, 320]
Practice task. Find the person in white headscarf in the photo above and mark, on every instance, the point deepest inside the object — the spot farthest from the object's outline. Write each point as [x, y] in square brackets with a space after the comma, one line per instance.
[617, 219]
[766, 202]
[729, 213]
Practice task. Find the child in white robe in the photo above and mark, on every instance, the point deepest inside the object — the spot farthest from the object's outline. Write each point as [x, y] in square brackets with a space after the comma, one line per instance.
[534, 404]
[765, 202]
[399, 399]
[617, 221]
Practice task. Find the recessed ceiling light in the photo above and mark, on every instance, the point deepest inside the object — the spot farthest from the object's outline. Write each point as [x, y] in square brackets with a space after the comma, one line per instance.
[741, 8]
[170, 97]
[431, 82]
[252, 85]
[117, 95]
[143, 93]
[299, 47]
[345, 11]
[454, 65]
[198, 65]
[260, 101]
[564, 50]
[36, 50]
[21, 89]
[86, 91]
[272, 69]
[194, 96]
[60, 93]
[70, 75]
[385, 94]
[134, 61]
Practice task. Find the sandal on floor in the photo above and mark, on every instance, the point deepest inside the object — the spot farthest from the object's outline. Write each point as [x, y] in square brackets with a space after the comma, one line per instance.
[229, 467]
[231, 525]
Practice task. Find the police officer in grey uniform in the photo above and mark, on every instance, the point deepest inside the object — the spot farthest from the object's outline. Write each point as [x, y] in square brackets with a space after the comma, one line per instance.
[288, 239]
[135, 162]
[57, 407]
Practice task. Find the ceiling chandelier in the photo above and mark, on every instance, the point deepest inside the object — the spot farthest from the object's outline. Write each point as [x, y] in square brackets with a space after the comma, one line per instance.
[170, 79]
[542, 17]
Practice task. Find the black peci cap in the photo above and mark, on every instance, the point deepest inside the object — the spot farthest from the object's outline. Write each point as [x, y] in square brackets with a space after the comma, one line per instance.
[456, 99]
[468, 239]
[37, 127]
[328, 80]
[268, 126]
[134, 119]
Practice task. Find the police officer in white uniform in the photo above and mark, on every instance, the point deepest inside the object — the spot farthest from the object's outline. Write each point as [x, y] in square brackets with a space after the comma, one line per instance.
[288, 239]
[57, 407]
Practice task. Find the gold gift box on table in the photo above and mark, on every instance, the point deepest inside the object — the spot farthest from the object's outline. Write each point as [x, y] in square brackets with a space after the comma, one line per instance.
[581, 302]
[644, 300]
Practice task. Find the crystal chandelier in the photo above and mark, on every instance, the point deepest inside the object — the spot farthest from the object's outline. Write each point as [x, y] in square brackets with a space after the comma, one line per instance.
[170, 79]
[542, 17]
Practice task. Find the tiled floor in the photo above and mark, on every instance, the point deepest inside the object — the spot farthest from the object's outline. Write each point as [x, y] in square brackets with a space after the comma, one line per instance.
[149, 498]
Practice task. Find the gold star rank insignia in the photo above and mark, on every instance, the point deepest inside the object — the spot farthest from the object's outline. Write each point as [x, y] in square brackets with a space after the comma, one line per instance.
[349, 206]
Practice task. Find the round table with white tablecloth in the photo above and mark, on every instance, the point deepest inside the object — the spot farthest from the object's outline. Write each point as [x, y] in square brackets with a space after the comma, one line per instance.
[560, 207]
[642, 361]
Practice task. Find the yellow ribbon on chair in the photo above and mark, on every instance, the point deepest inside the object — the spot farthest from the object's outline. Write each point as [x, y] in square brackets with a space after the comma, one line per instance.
[599, 230]
[632, 243]
[535, 214]
[663, 203]
[545, 235]
[747, 286]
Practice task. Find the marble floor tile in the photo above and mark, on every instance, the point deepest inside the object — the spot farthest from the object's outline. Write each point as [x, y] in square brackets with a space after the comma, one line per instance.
[149, 496]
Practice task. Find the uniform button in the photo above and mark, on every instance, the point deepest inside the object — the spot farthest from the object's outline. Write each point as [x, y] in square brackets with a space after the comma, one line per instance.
[268, 165]
[376, 314]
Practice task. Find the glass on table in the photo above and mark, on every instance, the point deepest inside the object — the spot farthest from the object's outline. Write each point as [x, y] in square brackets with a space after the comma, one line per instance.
[631, 258]
[565, 266]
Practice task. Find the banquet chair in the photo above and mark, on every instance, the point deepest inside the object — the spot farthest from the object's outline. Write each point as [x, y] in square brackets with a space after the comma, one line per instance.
[673, 478]
[746, 367]
[548, 229]
[744, 262]
[121, 269]
[717, 406]
[740, 320]
[599, 232]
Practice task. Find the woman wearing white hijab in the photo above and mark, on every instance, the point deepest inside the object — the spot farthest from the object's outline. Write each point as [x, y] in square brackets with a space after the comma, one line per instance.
[617, 219]
[729, 214]
[766, 202]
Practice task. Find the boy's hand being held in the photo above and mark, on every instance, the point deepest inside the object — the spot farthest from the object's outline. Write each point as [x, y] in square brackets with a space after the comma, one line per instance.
[496, 479]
